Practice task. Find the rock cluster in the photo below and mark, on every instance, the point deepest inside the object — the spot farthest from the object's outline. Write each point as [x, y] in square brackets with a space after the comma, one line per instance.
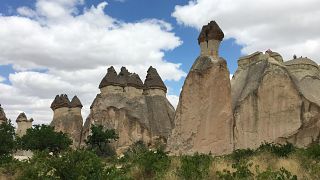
[23, 124]
[3, 117]
[203, 119]
[275, 101]
[67, 117]
[138, 111]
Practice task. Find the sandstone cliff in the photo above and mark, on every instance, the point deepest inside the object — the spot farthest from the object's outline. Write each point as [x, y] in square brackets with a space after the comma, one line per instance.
[67, 117]
[274, 101]
[137, 111]
[203, 119]
[3, 117]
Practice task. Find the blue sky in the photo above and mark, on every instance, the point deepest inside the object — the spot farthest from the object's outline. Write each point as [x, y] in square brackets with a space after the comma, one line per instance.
[50, 47]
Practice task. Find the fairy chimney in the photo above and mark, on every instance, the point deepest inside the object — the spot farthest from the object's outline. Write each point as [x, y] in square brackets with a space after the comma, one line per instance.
[209, 39]
[154, 84]
[23, 124]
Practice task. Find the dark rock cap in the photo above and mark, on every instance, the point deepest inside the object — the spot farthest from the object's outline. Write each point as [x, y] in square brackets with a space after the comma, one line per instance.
[75, 102]
[123, 77]
[110, 78]
[135, 81]
[60, 101]
[211, 31]
[22, 118]
[153, 80]
[2, 114]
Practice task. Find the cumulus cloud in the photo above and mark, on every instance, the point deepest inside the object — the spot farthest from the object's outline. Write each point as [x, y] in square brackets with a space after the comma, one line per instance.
[56, 47]
[288, 26]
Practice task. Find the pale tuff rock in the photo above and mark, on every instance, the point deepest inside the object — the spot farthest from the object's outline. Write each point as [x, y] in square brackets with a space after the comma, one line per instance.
[23, 124]
[203, 119]
[3, 117]
[133, 114]
[67, 117]
[274, 101]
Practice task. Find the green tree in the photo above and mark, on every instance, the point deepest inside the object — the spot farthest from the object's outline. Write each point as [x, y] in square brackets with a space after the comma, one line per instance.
[7, 138]
[99, 140]
[43, 137]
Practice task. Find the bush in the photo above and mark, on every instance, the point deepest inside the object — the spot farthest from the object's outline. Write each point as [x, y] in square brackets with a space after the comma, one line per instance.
[195, 167]
[99, 140]
[70, 165]
[242, 171]
[313, 151]
[152, 163]
[115, 173]
[7, 141]
[281, 174]
[240, 154]
[281, 150]
[43, 137]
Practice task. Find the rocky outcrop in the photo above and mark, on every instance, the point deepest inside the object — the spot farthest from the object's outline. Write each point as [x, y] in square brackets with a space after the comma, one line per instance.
[137, 111]
[275, 101]
[3, 117]
[67, 117]
[23, 124]
[203, 119]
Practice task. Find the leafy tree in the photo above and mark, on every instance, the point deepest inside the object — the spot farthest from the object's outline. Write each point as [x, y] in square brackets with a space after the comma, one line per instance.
[43, 137]
[7, 140]
[99, 139]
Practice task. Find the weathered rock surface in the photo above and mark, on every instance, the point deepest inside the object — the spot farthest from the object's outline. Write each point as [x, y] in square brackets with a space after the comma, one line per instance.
[23, 124]
[67, 117]
[274, 101]
[135, 115]
[3, 117]
[203, 119]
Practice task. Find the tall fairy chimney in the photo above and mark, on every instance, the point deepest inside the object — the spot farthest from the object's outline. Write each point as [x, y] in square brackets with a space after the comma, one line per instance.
[209, 39]
[23, 124]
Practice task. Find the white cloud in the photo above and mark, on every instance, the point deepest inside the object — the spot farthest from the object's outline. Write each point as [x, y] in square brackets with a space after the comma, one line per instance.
[2, 79]
[287, 26]
[73, 49]
[174, 100]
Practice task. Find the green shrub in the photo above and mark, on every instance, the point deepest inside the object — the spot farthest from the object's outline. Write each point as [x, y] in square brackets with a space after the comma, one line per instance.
[99, 140]
[242, 171]
[281, 174]
[9, 165]
[43, 137]
[194, 167]
[152, 163]
[115, 173]
[313, 151]
[240, 154]
[38, 168]
[69, 165]
[281, 150]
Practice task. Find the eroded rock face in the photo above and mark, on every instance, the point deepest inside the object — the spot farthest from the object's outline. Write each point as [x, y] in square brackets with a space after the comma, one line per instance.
[67, 117]
[134, 114]
[269, 101]
[203, 119]
[3, 117]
